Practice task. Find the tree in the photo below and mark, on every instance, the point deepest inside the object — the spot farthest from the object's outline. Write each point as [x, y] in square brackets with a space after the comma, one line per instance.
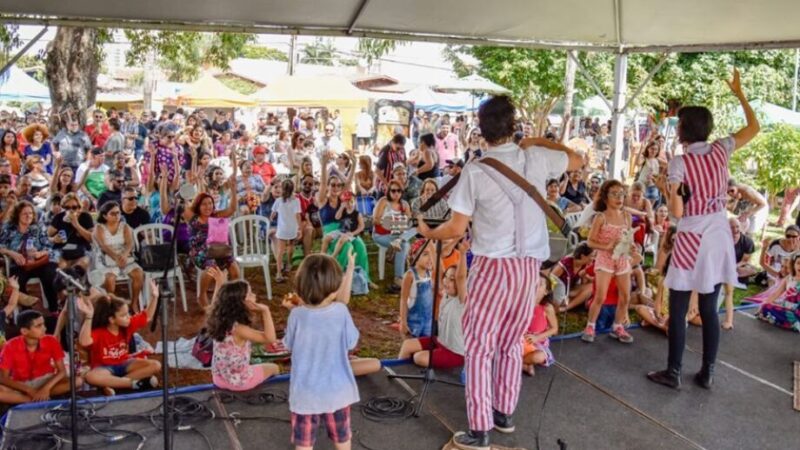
[184, 54]
[771, 161]
[71, 65]
[321, 52]
[374, 49]
[261, 52]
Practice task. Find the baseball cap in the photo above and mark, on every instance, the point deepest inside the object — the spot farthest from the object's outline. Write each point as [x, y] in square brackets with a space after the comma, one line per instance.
[454, 162]
[259, 150]
[346, 196]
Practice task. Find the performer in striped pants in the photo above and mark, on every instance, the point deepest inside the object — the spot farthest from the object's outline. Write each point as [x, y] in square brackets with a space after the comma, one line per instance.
[509, 239]
[703, 255]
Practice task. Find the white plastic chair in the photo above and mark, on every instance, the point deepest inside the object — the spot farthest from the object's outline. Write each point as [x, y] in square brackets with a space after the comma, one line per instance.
[572, 218]
[153, 234]
[250, 242]
[31, 281]
[653, 240]
[121, 278]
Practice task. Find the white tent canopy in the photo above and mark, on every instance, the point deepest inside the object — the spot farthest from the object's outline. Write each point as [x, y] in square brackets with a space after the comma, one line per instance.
[627, 25]
[18, 86]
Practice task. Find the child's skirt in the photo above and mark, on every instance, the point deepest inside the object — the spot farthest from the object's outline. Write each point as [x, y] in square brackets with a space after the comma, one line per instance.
[783, 313]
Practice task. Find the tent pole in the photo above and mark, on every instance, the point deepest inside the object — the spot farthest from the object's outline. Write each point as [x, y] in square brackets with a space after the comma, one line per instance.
[356, 16]
[22, 51]
[618, 116]
[589, 78]
[796, 68]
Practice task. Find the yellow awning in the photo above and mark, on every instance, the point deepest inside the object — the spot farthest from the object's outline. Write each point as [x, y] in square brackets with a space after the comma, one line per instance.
[208, 92]
[321, 91]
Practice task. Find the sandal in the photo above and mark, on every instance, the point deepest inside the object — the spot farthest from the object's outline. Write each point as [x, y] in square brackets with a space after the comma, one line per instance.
[280, 279]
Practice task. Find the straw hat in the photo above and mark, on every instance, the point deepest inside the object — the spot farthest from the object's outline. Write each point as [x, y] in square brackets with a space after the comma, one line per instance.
[31, 129]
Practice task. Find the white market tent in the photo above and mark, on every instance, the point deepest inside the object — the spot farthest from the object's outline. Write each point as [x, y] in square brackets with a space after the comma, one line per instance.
[426, 99]
[613, 25]
[619, 26]
[18, 86]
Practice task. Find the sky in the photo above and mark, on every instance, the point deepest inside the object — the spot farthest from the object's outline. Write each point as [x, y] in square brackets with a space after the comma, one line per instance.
[416, 53]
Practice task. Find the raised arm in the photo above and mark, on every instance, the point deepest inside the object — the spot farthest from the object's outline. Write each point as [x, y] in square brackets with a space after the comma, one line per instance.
[746, 134]
[575, 158]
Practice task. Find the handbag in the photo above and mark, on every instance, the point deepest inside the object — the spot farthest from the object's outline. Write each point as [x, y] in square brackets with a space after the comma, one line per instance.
[153, 258]
[203, 348]
[217, 246]
[549, 211]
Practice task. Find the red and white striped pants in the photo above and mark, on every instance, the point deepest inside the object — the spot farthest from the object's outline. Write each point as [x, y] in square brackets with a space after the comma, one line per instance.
[499, 307]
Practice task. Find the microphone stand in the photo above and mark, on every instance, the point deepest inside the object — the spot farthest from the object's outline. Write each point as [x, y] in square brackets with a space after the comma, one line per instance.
[429, 376]
[163, 301]
[72, 285]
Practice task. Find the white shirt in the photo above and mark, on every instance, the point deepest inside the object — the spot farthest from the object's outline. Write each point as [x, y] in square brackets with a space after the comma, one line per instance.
[323, 144]
[364, 125]
[287, 217]
[478, 196]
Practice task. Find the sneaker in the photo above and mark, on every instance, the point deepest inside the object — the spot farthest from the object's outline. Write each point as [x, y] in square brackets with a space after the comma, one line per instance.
[588, 334]
[471, 440]
[147, 383]
[503, 422]
[621, 334]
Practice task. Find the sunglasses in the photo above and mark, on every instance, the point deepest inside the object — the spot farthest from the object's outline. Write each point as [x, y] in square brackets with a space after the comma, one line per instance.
[129, 198]
[792, 236]
[72, 208]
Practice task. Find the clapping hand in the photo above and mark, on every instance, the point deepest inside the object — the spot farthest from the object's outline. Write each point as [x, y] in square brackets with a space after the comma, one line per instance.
[218, 275]
[85, 306]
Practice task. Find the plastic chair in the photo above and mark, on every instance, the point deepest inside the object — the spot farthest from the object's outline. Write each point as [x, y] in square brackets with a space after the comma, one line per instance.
[153, 234]
[249, 237]
[30, 280]
[572, 218]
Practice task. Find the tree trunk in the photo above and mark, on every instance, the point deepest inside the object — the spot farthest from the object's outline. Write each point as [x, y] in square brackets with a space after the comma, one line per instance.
[71, 68]
[569, 95]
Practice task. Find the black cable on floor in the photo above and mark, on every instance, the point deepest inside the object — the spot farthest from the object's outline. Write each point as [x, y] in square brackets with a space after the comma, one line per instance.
[387, 409]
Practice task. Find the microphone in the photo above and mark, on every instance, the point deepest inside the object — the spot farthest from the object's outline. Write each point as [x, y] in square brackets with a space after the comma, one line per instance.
[72, 280]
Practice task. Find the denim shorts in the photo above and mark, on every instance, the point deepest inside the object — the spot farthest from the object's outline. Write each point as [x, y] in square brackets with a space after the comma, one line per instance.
[118, 370]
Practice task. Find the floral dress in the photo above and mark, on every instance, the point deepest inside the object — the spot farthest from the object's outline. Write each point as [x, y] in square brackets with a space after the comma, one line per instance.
[784, 312]
[230, 366]
[198, 247]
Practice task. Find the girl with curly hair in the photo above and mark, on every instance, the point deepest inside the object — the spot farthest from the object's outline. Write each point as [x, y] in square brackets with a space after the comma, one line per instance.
[230, 326]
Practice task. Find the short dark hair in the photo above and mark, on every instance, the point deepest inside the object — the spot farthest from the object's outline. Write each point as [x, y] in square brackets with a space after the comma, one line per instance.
[317, 277]
[551, 181]
[26, 318]
[496, 119]
[5, 179]
[97, 151]
[399, 139]
[428, 139]
[114, 123]
[695, 124]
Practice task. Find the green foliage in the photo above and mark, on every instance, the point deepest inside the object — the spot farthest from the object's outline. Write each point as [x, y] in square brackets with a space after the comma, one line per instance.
[375, 49]
[261, 52]
[184, 54]
[771, 161]
[322, 52]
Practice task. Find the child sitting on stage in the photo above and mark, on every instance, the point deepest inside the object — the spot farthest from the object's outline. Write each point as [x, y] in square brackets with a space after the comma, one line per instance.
[229, 325]
[32, 364]
[449, 351]
[351, 223]
[320, 332]
[416, 293]
[536, 341]
[106, 331]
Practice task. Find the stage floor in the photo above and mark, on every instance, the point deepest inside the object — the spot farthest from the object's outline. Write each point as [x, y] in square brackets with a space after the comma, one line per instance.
[599, 399]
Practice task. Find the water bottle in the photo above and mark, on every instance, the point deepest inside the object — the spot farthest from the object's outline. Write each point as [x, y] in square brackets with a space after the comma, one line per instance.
[30, 249]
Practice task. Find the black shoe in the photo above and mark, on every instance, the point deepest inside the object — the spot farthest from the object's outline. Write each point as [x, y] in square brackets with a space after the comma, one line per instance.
[670, 378]
[471, 440]
[705, 378]
[394, 289]
[503, 422]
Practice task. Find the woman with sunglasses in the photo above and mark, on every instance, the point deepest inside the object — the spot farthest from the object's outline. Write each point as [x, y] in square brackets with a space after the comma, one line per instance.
[166, 151]
[327, 201]
[63, 182]
[474, 145]
[703, 258]
[70, 231]
[392, 208]
[428, 165]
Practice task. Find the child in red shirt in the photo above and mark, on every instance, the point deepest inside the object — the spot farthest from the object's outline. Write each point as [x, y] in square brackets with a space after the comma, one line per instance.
[32, 365]
[107, 328]
[606, 317]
